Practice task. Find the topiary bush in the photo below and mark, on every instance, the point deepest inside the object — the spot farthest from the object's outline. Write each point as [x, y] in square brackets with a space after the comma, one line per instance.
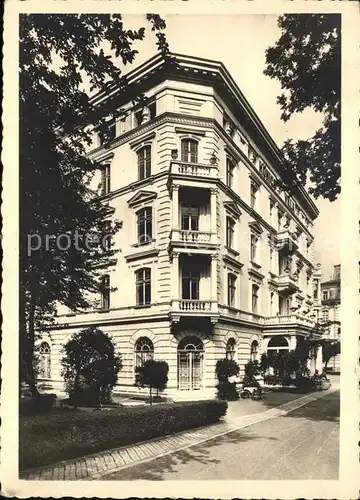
[153, 374]
[226, 369]
[90, 368]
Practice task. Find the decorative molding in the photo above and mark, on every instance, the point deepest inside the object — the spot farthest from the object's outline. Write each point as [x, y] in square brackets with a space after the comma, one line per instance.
[190, 131]
[256, 274]
[256, 227]
[232, 152]
[142, 196]
[106, 156]
[232, 208]
[149, 137]
[150, 252]
[227, 259]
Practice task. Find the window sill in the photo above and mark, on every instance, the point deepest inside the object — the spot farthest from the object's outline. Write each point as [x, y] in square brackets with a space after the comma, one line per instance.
[254, 264]
[232, 251]
[104, 310]
[142, 245]
[143, 306]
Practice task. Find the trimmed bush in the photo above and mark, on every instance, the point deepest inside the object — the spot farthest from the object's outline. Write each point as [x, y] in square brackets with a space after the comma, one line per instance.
[67, 434]
[36, 405]
[225, 369]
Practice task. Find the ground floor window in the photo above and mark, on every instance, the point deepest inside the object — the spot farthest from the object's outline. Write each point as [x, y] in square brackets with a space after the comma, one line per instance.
[276, 346]
[230, 348]
[44, 360]
[254, 350]
[190, 363]
[144, 351]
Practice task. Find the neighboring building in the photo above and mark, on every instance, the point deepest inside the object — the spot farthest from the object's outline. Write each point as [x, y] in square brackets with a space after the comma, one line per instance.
[330, 312]
[215, 261]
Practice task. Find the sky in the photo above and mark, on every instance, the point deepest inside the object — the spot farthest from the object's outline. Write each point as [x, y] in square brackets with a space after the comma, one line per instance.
[239, 42]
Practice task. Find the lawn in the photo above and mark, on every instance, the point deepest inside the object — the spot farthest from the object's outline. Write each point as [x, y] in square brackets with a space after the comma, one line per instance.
[63, 434]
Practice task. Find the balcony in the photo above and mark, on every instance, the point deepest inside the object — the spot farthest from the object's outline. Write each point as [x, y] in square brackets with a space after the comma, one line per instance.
[185, 170]
[197, 241]
[204, 308]
[286, 242]
[287, 284]
[289, 319]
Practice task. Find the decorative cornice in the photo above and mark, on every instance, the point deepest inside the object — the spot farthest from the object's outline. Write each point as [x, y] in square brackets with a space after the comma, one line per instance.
[149, 137]
[255, 227]
[255, 273]
[142, 196]
[232, 208]
[190, 131]
[233, 262]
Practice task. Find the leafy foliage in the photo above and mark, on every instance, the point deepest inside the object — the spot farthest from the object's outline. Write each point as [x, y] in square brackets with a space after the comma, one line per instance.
[90, 367]
[306, 59]
[153, 374]
[330, 349]
[60, 56]
[225, 369]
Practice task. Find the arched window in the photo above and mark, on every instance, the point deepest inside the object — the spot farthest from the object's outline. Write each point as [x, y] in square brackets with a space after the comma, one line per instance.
[144, 162]
[189, 150]
[230, 348]
[191, 344]
[278, 343]
[143, 286]
[144, 351]
[144, 225]
[254, 350]
[44, 360]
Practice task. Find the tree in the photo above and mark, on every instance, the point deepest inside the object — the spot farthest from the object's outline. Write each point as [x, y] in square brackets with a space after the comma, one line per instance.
[330, 349]
[152, 374]
[306, 59]
[63, 220]
[90, 367]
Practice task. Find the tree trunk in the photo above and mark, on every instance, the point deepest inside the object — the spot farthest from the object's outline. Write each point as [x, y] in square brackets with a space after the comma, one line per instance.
[30, 349]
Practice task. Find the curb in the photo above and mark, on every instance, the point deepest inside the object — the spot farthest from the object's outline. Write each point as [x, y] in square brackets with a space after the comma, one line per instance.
[87, 467]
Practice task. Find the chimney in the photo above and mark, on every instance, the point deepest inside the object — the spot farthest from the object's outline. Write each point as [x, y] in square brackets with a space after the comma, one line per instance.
[337, 272]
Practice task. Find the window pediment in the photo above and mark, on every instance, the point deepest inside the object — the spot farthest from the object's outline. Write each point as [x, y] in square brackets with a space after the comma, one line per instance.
[142, 197]
[143, 141]
[256, 227]
[232, 208]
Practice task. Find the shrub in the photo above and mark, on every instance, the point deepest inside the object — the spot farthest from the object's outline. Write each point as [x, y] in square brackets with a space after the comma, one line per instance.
[70, 434]
[225, 369]
[36, 405]
[252, 370]
[153, 374]
[90, 367]
[303, 384]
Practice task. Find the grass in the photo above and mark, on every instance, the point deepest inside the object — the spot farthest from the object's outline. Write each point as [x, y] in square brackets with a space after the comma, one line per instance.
[63, 434]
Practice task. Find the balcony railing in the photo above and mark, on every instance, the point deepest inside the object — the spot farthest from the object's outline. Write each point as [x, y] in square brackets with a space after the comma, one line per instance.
[289, 319]
[286, 240]
[193, 169]
[193, 238]
[194, 305]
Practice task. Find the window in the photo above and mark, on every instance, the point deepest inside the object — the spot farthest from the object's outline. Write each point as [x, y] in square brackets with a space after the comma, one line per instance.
[325, 315]
[108, 133]
[253, 246]
[230, 229]
[44, 361]
[144, 226]
[279, 220]
[271, 210]
[231, 289]
[143, 287]
[229, 173]
[325, 295]
[189, 150]
[230, 348]
[190, 284]
[106, 238]
[144, 162]
[255, 298]
[271, 303]
[253, 191]
[105, 179]
[144, 351]
[105, 292]
[254, 350]
[189, 218]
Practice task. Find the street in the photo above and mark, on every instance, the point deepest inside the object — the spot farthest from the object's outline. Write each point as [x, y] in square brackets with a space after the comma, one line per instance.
[303, 444]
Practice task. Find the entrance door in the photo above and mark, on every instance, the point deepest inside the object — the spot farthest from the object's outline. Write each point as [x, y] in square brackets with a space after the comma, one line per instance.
[190, 364]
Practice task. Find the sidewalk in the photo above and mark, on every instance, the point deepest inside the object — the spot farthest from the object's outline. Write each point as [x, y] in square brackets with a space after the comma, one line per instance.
[97, 465]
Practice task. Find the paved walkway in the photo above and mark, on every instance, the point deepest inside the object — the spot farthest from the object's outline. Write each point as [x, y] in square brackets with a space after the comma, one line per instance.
[97, 465]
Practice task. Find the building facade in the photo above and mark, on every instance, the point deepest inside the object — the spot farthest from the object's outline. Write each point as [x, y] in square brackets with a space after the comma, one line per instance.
[330, 312]
[215, 260]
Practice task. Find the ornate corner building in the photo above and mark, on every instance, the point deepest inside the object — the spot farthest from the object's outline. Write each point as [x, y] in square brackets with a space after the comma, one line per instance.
[215, 260]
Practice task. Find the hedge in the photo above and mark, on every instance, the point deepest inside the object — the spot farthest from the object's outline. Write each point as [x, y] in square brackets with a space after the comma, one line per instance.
[38, 405]
[65, 434]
